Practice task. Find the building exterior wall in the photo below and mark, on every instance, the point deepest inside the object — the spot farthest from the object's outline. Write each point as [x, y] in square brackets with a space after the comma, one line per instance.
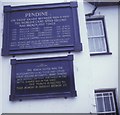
[105, 67]
[90, 72]
[119, 56]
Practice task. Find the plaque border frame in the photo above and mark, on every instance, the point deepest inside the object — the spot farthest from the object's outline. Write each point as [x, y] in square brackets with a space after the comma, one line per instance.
[71, 93]
[6, 31]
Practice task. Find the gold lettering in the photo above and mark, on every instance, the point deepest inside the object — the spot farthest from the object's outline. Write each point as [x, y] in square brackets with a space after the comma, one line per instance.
[36, 14]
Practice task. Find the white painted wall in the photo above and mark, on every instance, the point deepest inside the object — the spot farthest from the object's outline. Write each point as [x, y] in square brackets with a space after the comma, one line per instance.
[90, 72]
[105, 68]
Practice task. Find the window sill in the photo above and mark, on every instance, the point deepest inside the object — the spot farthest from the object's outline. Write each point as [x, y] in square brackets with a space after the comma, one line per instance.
[95, 54]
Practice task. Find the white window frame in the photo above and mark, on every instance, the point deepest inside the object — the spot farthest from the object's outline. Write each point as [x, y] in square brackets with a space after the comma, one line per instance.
[102, 93]
[105, 43]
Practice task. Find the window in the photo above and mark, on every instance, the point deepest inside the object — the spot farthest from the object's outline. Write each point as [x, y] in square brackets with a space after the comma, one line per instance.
[106, 103]
[97, 38]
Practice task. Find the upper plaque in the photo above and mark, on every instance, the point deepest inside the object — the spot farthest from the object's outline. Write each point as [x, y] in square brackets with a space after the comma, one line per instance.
[42, 78]
[41, 28]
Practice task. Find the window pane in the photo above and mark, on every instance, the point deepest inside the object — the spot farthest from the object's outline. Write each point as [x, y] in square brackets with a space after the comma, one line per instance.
[89, 29]
[91, 45]
[112, 103]
[101, 28]
[99, 94]
[100, 105]
[107, 104]
[97, 28]
[105, 94]
[102, 44]
[97, 44]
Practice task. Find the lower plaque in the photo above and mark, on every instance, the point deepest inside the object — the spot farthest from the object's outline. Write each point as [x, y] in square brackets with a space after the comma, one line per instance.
[42, 78]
